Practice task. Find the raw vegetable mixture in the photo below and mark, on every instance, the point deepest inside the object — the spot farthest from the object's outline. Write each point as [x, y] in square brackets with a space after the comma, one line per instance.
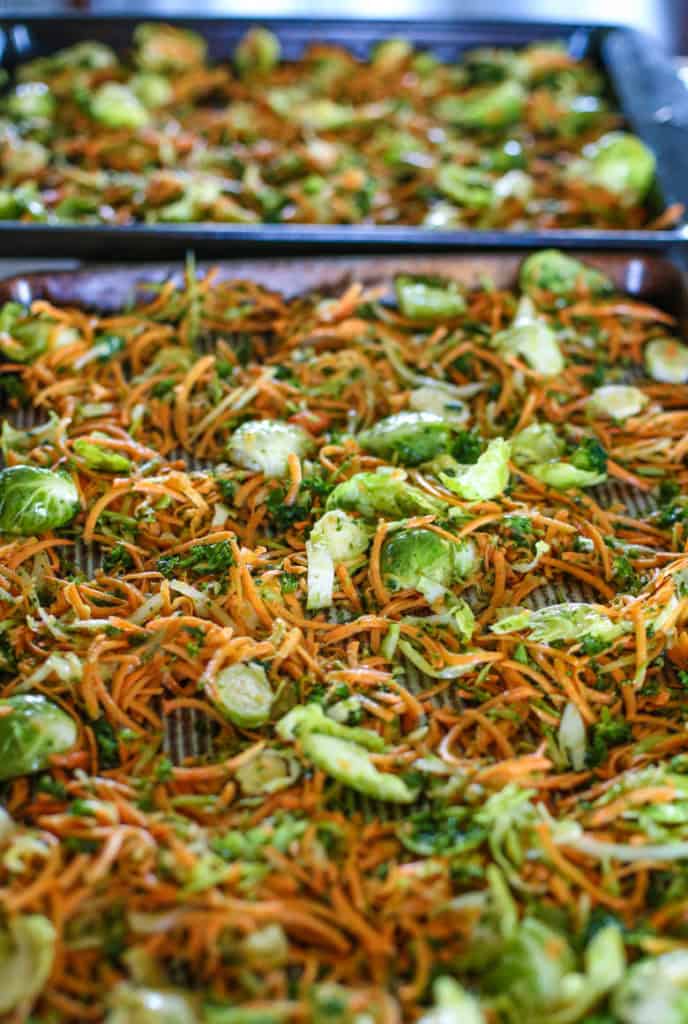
[431, 670]
[499, 139]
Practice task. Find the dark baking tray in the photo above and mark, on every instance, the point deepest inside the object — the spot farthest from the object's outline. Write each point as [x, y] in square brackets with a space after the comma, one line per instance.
[648, 277]
[647, 89]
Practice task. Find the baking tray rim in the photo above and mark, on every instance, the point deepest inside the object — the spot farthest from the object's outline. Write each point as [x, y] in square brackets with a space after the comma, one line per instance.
[636, 272]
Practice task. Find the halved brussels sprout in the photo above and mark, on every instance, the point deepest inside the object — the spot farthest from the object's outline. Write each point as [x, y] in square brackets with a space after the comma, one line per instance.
[466, 561]
[133, 1004]
[487, 107]
[563, 476]
[97, 457]
[407, 437]
[666, 360]
[89, 56]
[452, 1004]
[572, 738]
[32, 99]
[391, 54]
[507, 156]
[32, 729]
[243, 693]
[514, 185]
[34, 500]
[323, 115]
[491, 64]
[551, 270]
[343, 537]
[654, 989]
[343, 752]
[23, 336]
[402, 148]
[266, 947]
[531, 967]
[153, 90]
[538, 442]
[257, 53]
[485, 478]
[587, 467]
[267, 772]
[265, 446]
[161, 47]
[441, 401]
[418, 558]
[382, 494]
[195, 204]
[425, 300]
[467, 186]
[616, 401]
[320, 583]
[24, 158]
[27, 952]
[620, 163]
[116, 106]
[533, 339]
[336, 537]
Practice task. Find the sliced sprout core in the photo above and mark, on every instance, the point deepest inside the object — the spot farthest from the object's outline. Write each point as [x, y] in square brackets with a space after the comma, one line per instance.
[265, 446]
[666, 360]
[244, 694]
[617, 401]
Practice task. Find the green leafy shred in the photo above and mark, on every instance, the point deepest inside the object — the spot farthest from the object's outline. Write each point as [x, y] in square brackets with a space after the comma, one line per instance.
[200, 560]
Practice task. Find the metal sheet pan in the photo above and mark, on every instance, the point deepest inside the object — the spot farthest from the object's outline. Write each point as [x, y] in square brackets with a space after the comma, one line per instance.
[651, 278]
[646, 85]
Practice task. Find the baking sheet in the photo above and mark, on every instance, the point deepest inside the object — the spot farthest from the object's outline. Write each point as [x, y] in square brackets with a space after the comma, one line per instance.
[650, 278]
[644, 81]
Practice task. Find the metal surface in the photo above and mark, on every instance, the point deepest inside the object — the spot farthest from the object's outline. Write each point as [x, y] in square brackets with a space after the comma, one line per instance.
[645, 83]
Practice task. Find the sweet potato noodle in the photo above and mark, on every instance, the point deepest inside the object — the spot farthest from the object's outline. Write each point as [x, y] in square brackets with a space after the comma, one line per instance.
[499, 139]
[423, 671]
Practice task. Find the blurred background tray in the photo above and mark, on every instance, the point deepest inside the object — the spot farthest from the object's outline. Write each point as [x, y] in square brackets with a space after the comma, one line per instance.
[644, 82]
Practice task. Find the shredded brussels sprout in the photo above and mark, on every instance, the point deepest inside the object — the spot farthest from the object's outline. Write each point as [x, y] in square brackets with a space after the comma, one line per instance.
[533, 339]
[484, 479]
[423, 300]
[27, 951]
